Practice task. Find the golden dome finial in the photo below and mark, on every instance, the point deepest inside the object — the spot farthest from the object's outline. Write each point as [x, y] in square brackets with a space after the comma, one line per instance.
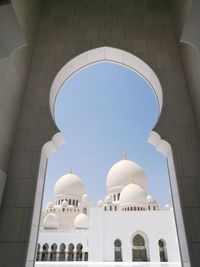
[125, 156]
[131, 181]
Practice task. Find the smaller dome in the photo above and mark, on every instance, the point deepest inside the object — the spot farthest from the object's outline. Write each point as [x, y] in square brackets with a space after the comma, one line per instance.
[69, 184]
[168, 207]
[108, 199]
[150, 199]
[64, 203]
[50, 205]
[100, 203]
[85, 197]
[132, 194]
[51, 221]
[81, 221]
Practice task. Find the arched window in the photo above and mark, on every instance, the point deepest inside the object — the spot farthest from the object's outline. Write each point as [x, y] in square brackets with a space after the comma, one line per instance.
[105, 208]
[70, 255]
[70, 202]
[162, 250]
[118, 250]
[118, 196]
[73, 202]
[53, 252]
[115, 207]
[76, 203]
[86, 256]
[62, 252]
[79, 254]
[110, 207]
[45, 252]
[139, 250]
[131, 208]
[114, 196]
[38, 252]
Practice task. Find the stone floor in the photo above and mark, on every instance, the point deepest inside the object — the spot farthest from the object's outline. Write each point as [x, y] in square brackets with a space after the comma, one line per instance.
[105, 264]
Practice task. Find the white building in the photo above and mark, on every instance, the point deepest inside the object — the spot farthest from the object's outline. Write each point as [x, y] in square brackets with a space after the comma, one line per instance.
[127, 226]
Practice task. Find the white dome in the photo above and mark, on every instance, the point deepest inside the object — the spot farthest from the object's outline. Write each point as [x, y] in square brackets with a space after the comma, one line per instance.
[85, 197]
[51, 221]
[50, 205]
[132, 194]
[69, 184]
[108, 199]
[150, 199]
[168, 207]
[124, 172]
[100, 203]
[81, 221]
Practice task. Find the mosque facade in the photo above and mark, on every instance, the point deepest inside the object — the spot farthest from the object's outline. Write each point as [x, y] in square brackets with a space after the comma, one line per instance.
[128, 225]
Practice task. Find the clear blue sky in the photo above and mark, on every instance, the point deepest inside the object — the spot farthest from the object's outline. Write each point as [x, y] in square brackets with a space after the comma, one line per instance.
[103, 111]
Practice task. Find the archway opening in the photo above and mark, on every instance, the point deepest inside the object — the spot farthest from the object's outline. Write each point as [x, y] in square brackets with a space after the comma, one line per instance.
[118, 250]
[139, 251]
[162, 250]
[70, 256]
[62, 252]
[45, 252]
[53, 253]
[79, 254]
[109, 207]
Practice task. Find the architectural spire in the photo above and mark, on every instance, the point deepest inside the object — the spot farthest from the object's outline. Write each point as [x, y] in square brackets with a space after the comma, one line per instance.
[125, 156]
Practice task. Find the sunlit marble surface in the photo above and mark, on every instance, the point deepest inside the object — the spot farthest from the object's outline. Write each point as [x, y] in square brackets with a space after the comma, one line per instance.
[105, 264]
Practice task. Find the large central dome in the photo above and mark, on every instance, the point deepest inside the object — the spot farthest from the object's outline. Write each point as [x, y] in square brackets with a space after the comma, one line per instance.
[69, 184]
[124, 172]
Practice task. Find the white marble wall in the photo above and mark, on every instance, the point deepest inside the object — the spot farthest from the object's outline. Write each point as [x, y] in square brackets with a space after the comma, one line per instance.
[107, 226]
[182, 12]
[66, 29]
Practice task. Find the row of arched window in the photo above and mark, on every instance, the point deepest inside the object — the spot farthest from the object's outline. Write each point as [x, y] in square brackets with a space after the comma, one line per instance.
[134, 208]
[139, 250]
[70, 210]
[110, 208]
[73, 202]
[116, 197]
[63, 210]
[61, 253]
